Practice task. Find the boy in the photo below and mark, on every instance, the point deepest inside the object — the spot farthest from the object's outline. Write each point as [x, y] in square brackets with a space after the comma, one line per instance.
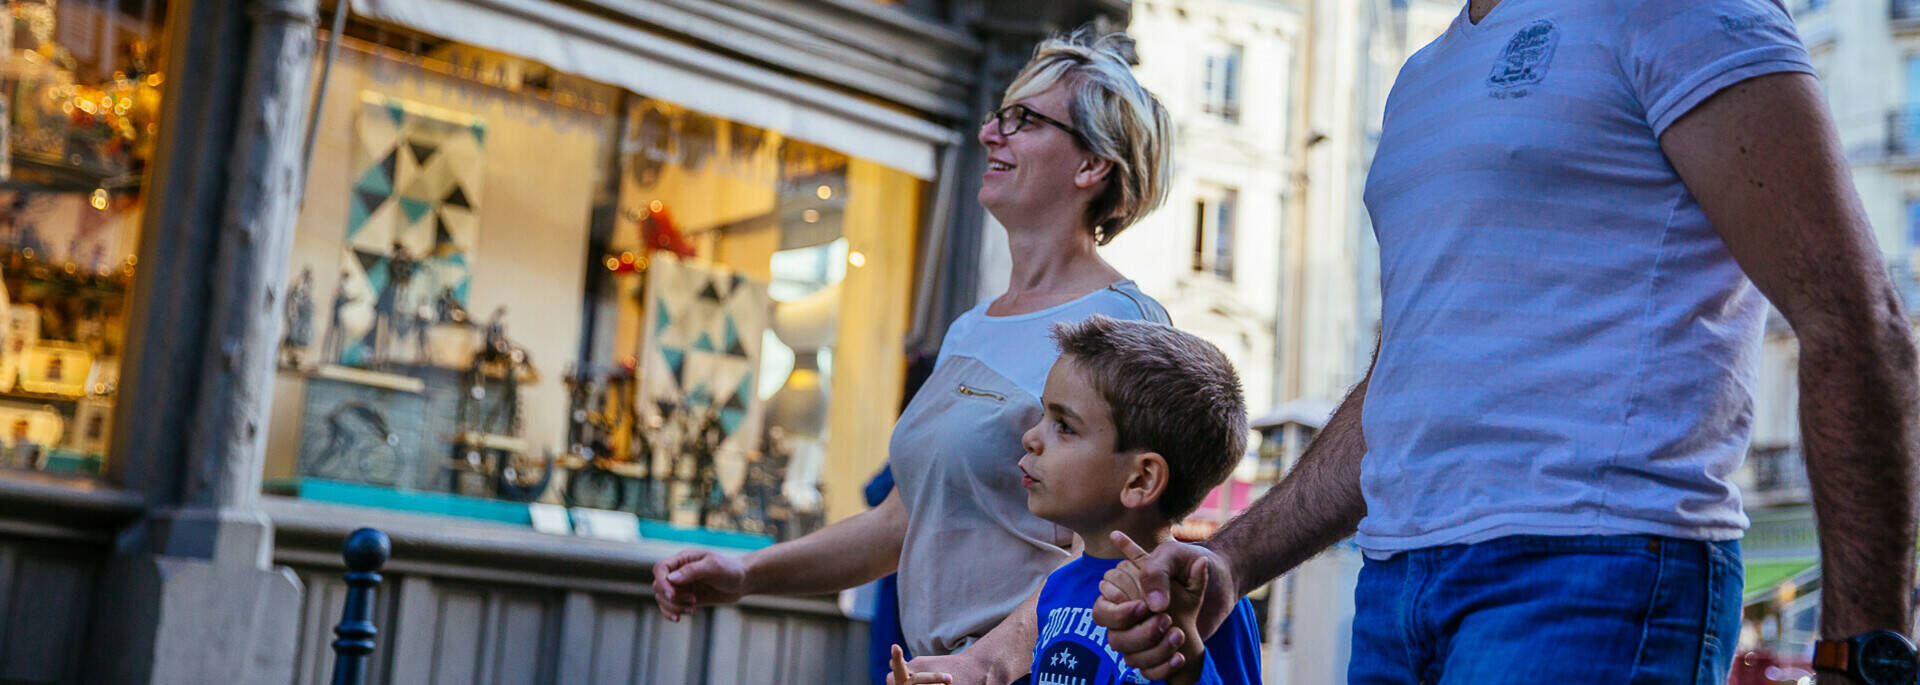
[1141, 420]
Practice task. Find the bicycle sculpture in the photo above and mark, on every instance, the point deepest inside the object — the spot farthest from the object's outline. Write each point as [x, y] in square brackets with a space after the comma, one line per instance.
[360, 446]
[486, 441]
[605, 447]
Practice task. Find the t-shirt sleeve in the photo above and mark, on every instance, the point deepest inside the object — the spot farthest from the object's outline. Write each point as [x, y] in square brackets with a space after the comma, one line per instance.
[1678, 53]
[1233, 652]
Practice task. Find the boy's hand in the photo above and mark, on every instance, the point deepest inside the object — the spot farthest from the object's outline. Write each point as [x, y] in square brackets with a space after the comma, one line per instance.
[695, 579]
[1176, 658]
[902, 676]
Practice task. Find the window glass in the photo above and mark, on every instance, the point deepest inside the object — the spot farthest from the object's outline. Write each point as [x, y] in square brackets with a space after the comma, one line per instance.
[80, 90]
[523, 287]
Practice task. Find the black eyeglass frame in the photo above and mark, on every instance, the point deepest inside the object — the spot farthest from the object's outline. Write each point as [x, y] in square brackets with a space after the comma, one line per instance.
[1020, 114]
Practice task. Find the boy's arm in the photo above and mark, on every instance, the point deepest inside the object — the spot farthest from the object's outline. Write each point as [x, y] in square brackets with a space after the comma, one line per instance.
[1200, 671]
[997, 658]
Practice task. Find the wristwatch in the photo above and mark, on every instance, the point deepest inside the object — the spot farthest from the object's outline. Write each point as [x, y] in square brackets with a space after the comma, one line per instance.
[1880, 657]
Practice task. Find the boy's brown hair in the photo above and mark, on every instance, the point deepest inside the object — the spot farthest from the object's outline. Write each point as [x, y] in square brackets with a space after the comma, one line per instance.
[1168, 392]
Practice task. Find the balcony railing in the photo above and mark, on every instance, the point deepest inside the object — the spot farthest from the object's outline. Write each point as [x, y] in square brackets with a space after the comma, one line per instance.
[1903, 126]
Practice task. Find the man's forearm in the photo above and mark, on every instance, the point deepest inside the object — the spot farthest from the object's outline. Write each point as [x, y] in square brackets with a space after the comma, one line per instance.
[856, 550]
[1858, 399]
[1316, 505]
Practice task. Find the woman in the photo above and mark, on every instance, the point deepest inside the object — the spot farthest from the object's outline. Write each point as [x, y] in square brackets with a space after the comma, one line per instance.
[1075, 155]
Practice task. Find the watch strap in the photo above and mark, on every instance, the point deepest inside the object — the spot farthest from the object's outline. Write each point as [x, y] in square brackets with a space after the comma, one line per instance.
[1833, 655]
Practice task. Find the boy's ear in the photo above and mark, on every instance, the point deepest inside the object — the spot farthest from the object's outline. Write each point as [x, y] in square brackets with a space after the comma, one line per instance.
[1147, 481]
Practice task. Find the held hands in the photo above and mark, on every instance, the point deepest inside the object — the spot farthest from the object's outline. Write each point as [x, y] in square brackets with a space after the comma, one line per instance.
[1158, 607]
[695, 579]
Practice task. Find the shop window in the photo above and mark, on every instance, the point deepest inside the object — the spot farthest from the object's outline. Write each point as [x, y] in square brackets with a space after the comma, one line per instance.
[525, 288]
[80, 86]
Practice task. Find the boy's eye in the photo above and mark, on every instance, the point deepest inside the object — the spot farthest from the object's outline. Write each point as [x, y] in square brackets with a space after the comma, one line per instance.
[1062, 425]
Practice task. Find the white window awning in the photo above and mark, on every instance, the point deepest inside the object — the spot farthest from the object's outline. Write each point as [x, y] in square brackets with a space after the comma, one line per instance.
[659, 67]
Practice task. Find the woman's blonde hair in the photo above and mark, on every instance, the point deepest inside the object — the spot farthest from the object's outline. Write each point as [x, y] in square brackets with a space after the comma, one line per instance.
[1119, 121]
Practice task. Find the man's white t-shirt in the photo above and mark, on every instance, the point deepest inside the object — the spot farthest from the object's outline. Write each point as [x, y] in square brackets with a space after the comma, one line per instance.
[1567, 346]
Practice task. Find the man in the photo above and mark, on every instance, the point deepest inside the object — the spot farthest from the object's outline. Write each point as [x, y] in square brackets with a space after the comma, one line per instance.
[1580, 207]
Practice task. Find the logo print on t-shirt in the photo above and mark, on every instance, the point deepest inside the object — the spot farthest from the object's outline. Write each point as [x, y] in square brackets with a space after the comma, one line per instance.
[1067, 663]
[1525, 60]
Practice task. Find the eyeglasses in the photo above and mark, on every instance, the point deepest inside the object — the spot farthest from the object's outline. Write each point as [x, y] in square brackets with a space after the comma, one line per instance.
[1012, 119]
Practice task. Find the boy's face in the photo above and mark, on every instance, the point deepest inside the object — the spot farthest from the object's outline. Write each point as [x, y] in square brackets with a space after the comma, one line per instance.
[1072, 474]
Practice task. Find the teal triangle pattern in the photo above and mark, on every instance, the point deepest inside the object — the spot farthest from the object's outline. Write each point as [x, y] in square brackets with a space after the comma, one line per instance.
[357, 214]
[704, 344]
[376, 180]
[676, 363]
[397, 111]
[741, 393]
[415, 208]
[479, 130]
[730, 419]
[701, 397]
[731, 339]
[660, 316]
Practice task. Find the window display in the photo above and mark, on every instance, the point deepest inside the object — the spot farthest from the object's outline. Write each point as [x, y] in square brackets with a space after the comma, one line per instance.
[79, 100]
[516, 286]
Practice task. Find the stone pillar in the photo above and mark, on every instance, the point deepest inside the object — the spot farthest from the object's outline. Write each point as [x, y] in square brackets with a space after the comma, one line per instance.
[191, 595]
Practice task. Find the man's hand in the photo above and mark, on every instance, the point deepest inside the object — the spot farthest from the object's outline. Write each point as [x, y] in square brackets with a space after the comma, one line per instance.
[916, 673]
[693, 579]
[1159, 607]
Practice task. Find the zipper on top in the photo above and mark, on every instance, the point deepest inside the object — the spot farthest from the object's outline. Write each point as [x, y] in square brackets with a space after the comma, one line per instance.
[976, 392]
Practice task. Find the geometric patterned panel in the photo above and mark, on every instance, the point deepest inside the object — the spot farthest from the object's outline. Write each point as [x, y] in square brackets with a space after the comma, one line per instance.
[702, 350]
[415, 183]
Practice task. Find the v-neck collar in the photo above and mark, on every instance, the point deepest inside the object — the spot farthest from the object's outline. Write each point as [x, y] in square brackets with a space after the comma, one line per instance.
[1466, 22]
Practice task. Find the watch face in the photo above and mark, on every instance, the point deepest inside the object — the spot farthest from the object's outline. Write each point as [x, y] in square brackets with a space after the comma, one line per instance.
[1887, 659]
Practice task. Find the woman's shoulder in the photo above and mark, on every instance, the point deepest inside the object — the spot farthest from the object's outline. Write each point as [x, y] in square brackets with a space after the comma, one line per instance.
[1125, 300]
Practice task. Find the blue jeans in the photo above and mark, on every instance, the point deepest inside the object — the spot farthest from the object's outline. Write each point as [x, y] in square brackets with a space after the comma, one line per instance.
[1533, 609]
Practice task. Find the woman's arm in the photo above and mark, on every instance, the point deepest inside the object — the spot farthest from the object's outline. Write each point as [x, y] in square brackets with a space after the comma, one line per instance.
[859, 549]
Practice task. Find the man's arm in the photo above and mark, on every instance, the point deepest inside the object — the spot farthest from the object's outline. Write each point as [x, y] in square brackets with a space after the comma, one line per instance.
[1316, 505]
[856, 550]
[1764, 162]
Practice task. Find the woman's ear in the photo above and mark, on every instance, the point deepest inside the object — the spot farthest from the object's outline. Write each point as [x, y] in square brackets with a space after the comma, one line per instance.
[1093, 170]
[1147, 480]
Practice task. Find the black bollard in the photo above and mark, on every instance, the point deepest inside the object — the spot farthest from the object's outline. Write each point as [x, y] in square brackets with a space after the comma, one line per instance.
[365, 551]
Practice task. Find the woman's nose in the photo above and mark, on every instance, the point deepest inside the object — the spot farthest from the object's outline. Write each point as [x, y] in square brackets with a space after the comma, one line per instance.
[990, 134]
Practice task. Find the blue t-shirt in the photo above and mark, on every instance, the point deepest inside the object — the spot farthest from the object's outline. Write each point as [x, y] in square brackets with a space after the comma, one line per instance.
[1073, 651]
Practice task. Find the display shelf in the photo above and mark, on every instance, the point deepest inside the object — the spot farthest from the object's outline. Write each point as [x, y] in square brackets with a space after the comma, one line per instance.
[40, 397]
[477, 508]
[33, 172]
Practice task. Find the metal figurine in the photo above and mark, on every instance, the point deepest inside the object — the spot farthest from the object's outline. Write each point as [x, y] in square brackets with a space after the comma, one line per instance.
[299, 322]
[389, 318]
[330, 346]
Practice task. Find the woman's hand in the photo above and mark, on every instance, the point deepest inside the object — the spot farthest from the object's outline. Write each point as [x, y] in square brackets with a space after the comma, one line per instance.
[694, 579]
